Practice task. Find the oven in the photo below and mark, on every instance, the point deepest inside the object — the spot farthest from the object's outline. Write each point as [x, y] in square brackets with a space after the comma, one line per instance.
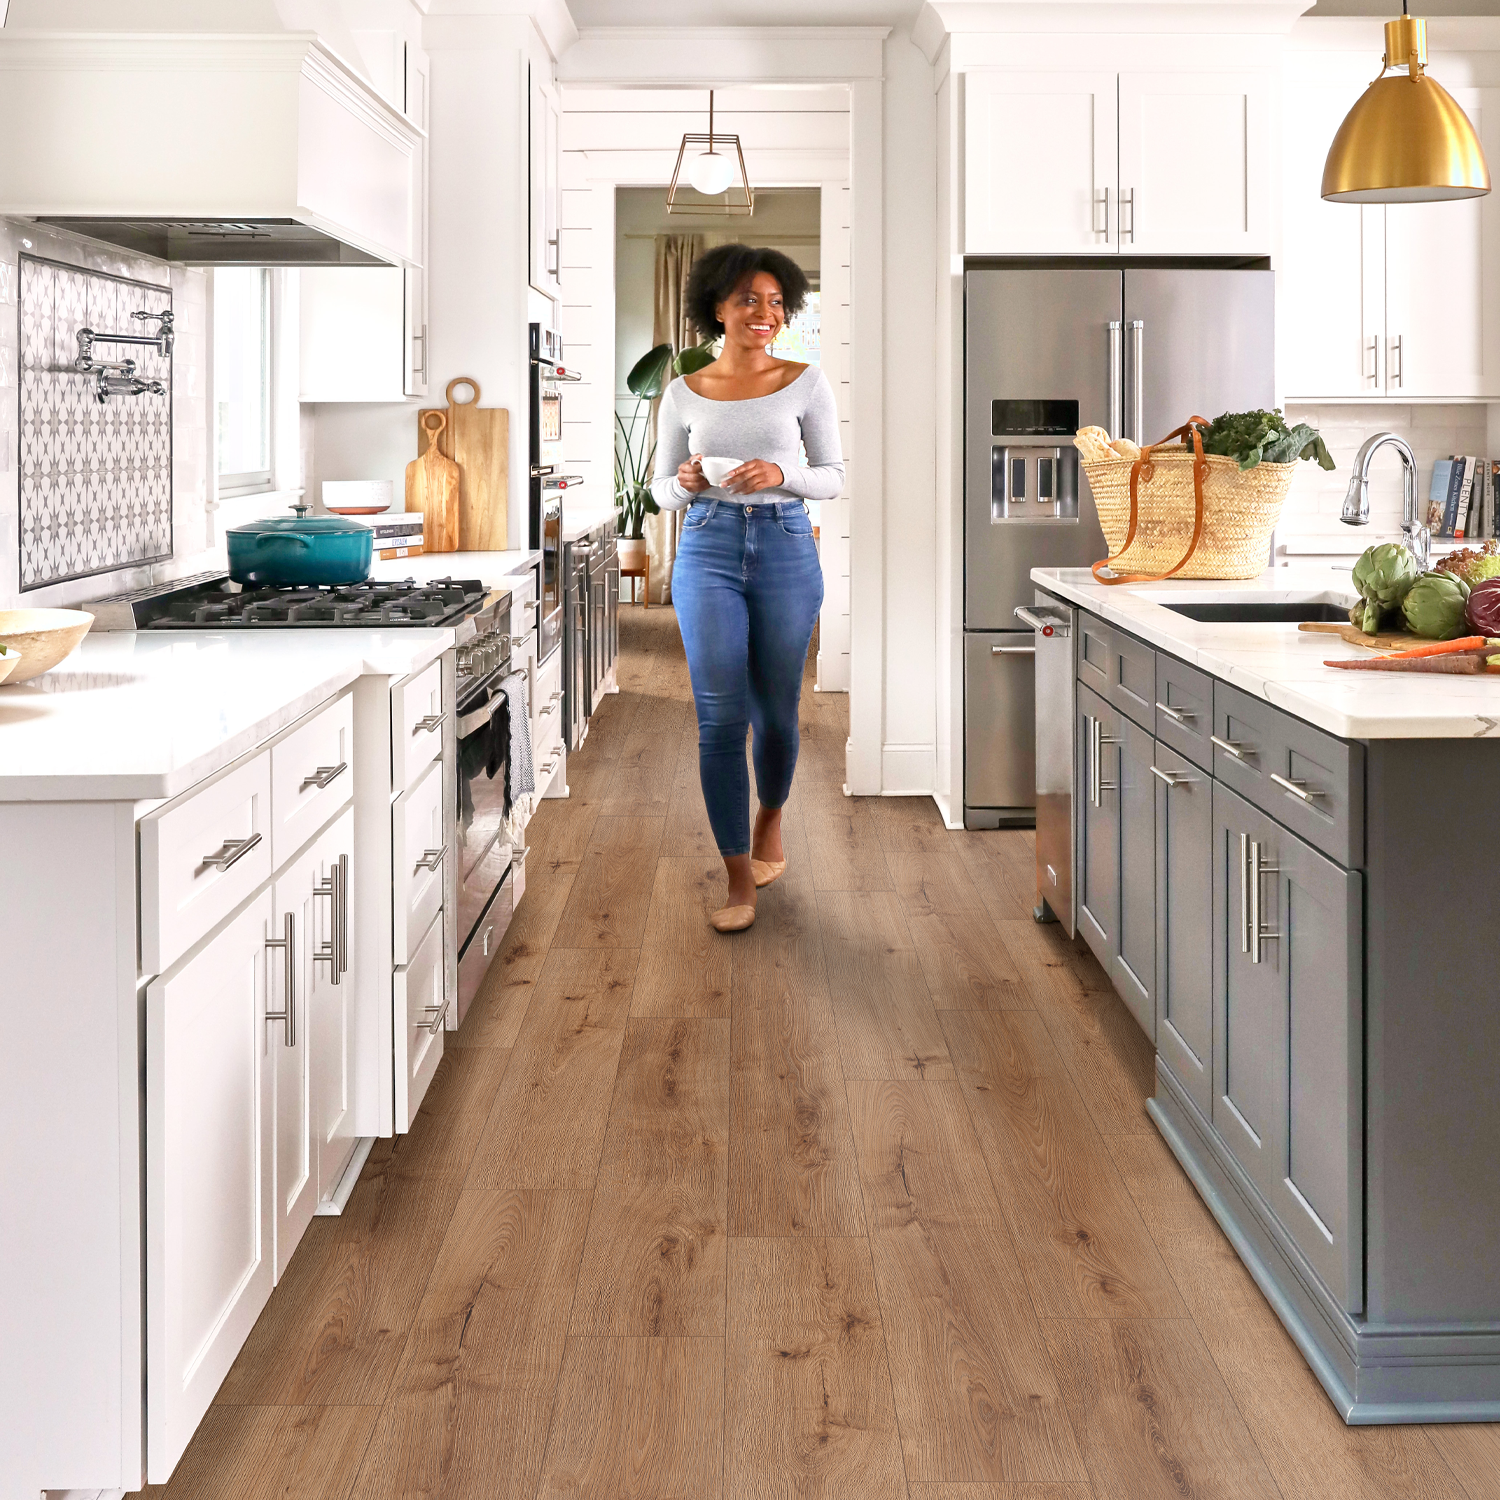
[482, 844]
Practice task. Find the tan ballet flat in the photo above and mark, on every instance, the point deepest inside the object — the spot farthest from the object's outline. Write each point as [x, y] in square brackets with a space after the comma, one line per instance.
[732, 918]
[767, 870]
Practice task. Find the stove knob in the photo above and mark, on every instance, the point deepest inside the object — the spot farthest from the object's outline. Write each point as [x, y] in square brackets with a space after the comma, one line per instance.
[465, 662]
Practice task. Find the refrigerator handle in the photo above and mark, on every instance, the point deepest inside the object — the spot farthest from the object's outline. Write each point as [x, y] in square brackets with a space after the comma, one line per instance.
[1136, 418]
[1116, 354]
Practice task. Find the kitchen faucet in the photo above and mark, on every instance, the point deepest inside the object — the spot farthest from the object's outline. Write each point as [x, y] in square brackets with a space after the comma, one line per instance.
[1357, 499]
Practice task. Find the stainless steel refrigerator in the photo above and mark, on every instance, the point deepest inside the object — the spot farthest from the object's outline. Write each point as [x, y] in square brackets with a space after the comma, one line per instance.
[1135, 350]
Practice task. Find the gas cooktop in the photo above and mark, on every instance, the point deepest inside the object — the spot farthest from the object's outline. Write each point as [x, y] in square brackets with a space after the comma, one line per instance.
[212, 602]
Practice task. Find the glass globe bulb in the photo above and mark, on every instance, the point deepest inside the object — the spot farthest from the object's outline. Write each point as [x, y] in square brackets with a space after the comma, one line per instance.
[710, 173]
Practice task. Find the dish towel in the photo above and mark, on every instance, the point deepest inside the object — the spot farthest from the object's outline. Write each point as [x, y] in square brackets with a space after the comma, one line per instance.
[522, 768]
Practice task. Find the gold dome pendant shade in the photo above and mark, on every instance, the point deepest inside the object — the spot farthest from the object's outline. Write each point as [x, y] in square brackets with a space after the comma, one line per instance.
[1406, 140]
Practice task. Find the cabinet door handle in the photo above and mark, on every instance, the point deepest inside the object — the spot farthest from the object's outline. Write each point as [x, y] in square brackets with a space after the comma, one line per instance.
[287, 943]
[1169, 779]
[324, 776]
[429, 722]
[1176, 715]
[430, 860]
[1101, 202]
[1232, 747]
[1395, 376]
[335, 952]
[1298, 789]
[231, 852]
[1097, 740]
[1258, 868]
[1127, 231]
[1372, 348]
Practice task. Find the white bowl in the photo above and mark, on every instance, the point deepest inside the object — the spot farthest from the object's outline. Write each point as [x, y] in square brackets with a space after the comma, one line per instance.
[42, 636]
[10, 659]
[357, 497]
[717, 470]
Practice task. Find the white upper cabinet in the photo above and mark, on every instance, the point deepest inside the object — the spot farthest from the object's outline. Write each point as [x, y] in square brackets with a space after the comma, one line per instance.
[415, 343]
[1040, 163]
[1400, 301]
[1168, 163]
[545, 186]
[1330, 293]
[1195, 163]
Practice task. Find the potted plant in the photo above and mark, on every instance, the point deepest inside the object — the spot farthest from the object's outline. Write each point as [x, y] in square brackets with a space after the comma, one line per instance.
[635, 447]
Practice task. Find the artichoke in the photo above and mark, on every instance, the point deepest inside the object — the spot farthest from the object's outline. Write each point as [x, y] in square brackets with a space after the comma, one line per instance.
[1383, 575]
[1434, 606]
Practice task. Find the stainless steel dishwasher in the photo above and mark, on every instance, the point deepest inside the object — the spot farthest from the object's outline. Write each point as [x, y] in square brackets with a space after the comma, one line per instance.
[1052, 623]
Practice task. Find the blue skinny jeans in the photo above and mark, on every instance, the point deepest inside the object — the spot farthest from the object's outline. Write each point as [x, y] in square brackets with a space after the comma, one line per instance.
[747, 586]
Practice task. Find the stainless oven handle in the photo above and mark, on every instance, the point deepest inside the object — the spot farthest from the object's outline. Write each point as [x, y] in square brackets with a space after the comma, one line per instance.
[475, 719]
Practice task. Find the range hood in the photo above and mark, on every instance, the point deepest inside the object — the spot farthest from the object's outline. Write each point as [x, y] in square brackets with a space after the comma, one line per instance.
[209, 149]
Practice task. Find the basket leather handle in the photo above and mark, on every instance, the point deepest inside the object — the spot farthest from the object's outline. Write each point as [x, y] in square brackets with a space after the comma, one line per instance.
[1143, 467]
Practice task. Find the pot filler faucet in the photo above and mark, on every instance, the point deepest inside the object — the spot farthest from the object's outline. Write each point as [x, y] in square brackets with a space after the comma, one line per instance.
[1357, 499]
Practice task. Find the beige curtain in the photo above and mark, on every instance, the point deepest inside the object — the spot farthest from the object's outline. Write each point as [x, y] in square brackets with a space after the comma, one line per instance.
[675, 254]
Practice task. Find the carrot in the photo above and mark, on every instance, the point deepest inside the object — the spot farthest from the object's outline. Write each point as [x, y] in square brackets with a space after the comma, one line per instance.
[1439, 648]
[1450, 663]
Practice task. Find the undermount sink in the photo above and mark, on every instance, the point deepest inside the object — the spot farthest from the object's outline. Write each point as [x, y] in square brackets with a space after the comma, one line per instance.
[1261, 612]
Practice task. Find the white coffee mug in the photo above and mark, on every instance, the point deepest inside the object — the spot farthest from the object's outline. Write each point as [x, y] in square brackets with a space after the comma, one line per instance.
[717, 470]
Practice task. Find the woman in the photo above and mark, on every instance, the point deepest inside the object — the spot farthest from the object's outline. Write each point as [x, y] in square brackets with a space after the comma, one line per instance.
[747, 583]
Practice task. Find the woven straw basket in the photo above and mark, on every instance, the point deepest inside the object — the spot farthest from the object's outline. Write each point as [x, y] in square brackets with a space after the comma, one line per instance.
[1239, 511]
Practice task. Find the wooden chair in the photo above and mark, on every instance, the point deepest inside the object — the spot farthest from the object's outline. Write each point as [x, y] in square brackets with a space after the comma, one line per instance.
[643, 572]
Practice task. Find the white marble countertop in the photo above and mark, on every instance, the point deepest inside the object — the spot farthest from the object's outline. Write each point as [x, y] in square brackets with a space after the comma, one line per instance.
[579, 520]
[1284, 665]
[493, 569]
[132, 717]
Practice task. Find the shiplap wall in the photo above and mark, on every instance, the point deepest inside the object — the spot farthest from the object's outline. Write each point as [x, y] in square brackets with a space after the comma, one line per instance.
[613, 138]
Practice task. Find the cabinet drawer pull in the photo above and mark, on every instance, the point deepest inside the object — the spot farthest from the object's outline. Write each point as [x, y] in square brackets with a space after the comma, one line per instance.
[1177, 715]
[1232, 747]
[429, 723]
[324, 776]
[430, 860]
[287, 943]
[542, 713]
[232, 852]
[1012, 650]
[437, 1012]
[1169, 778]
[1298, 789]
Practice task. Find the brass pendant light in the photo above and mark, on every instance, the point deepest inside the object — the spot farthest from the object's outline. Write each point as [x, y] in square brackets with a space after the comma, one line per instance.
[1406, 140]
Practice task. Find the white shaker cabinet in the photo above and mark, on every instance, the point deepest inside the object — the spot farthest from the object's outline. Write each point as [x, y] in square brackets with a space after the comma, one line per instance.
[1041, 163]
[1195, 168]
[414, 343]
[544, 185]
[1159, 163]
[1397, 301]
[209, 1172]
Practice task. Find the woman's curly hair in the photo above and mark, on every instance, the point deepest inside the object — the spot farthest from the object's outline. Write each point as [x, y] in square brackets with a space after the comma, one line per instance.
[720, 272]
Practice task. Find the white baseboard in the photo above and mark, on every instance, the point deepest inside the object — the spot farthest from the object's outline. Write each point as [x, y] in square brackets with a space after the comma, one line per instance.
[908, 770]
[335, 1204]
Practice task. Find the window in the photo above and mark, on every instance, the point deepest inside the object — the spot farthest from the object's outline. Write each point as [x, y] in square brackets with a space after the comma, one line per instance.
[801, 339]
[242, 378]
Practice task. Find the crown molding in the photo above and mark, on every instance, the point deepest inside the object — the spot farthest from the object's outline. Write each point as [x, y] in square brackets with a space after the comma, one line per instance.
[551, 18]
[939, 19]
[723, 56]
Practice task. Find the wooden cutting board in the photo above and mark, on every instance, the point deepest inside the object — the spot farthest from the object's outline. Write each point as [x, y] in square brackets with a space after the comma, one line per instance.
[478, 440]
[1386, 640]
[432, 487]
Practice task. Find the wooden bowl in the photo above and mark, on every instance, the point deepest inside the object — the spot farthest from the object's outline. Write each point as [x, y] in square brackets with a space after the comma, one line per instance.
[42, 636]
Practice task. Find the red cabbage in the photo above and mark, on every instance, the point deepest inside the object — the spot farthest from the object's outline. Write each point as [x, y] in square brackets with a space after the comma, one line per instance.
[1483, 608]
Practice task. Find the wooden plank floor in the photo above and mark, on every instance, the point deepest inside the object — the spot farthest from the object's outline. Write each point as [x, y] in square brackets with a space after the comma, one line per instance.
[862, 1204]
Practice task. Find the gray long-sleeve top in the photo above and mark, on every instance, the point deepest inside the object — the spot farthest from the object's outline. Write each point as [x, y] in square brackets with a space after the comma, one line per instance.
[777, 428]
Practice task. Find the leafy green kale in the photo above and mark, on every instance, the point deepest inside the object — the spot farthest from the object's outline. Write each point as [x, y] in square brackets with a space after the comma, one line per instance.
[1252, 437]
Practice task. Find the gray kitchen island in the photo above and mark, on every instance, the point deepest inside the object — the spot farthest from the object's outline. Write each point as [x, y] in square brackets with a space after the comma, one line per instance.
[1285, 871]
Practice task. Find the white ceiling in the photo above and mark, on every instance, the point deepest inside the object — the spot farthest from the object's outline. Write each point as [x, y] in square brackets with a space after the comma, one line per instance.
[744, 12]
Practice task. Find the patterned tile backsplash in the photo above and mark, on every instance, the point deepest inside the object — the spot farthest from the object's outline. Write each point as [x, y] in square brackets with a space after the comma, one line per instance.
[95, 479]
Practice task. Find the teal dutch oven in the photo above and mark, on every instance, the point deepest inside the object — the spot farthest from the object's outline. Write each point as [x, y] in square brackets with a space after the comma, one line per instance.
[299, 550]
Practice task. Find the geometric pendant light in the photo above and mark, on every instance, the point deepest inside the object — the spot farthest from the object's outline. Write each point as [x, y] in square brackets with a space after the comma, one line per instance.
[715, 164]
[1406, 140]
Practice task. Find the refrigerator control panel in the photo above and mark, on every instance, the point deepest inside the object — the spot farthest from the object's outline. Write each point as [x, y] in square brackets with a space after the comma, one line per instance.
[1033, 480]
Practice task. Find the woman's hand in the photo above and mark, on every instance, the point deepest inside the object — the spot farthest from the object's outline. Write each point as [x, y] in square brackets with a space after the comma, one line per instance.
[758, 474]
[690, 475]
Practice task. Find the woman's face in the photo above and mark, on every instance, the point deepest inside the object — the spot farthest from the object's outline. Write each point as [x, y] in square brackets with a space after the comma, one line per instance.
[753, 316]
